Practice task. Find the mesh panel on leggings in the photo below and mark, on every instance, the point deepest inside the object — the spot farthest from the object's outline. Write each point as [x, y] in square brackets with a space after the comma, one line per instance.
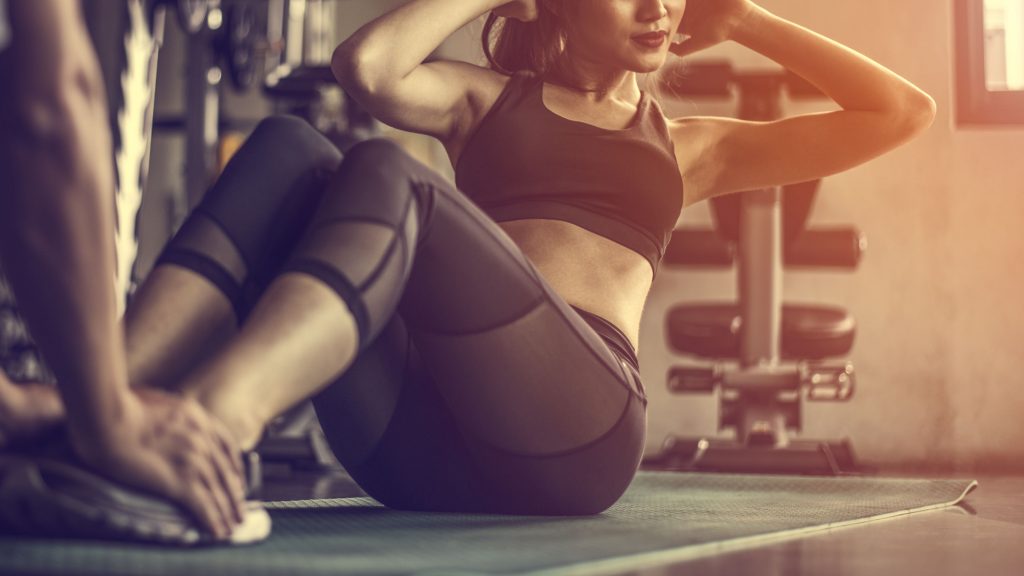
[202, 235]
[252, 217]
[519, 372]
[201, 245]
[361, 248]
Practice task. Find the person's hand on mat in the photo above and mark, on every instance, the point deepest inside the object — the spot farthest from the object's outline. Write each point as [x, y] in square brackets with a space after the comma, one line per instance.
[709, 22]
[170, 446]
[523, 10]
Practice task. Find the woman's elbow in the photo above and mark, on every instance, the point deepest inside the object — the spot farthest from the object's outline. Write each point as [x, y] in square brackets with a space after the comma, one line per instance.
[352, 69]
[918, 112]
[341, 63]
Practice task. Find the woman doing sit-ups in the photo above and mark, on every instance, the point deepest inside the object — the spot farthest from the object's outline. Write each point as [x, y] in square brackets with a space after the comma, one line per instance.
[473, 348]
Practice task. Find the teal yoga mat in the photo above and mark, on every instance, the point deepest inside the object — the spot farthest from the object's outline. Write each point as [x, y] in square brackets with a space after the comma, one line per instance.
[664, 517]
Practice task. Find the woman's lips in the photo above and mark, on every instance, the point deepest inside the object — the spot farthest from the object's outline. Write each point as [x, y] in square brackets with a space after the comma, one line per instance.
[651, 41]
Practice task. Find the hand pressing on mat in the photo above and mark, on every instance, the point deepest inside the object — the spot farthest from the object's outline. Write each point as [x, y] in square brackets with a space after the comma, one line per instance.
[170, 446]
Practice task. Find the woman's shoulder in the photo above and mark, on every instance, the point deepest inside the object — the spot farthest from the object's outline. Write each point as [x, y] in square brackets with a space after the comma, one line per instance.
[491, 84]
[486, 88]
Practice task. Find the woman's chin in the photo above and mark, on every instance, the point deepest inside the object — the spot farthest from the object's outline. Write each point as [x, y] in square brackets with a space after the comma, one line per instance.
[649, 64]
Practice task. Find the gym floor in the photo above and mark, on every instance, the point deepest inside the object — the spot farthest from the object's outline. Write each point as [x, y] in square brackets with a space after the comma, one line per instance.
[983, 536]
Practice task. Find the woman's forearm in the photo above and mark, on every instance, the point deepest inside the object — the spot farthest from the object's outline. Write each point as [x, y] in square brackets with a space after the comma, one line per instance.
[393, 45]
[854, 81]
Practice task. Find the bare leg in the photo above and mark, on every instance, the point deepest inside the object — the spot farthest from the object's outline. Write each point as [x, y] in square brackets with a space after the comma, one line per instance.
[298, 339]
[176, 320]
[222, 260]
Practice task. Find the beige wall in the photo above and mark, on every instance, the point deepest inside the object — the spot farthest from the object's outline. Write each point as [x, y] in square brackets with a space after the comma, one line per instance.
[941, 324]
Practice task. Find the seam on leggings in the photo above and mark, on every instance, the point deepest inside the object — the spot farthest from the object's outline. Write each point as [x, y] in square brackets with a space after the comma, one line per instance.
[570, 451]
[496, 326]
[340, 285]
[385, 258]
[337, 220]
[426, 203]
[621, 343]
[409, 347]
[618, 373]
[210, 270]
[486, 229]
[627, 365]
[545, 297]
[234, 241]
[613, 349]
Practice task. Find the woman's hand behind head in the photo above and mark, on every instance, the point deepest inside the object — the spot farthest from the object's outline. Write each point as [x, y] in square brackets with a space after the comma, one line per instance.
[709, 22]
[523, 10]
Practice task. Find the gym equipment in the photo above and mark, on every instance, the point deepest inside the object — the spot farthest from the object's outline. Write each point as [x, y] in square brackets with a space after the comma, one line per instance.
[133, 132]
[53, 497]
[295, 442]
[192, 14]
[238, 44]
[311, 92]
[764, 357]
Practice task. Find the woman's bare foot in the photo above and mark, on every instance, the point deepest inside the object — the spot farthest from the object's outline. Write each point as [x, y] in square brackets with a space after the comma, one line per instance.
[27, 411]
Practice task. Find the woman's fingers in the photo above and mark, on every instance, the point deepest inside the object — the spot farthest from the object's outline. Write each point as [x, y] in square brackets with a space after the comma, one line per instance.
[690, 46]
[212, 465]
[205, 469]
[199, 501]
[207, 483]
[227, 464]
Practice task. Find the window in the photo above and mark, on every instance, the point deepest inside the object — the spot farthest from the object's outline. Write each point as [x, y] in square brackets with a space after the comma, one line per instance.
[989, 61]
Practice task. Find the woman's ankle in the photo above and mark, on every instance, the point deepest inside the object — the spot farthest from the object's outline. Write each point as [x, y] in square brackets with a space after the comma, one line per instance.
[214, 386]
[242, 420]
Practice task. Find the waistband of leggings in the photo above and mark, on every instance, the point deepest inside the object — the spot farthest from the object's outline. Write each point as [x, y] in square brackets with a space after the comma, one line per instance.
[612, 336]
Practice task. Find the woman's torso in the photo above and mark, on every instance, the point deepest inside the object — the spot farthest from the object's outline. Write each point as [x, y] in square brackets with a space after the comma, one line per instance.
[588, 270]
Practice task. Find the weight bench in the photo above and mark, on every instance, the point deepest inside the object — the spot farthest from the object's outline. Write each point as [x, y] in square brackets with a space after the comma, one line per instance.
[763, 356]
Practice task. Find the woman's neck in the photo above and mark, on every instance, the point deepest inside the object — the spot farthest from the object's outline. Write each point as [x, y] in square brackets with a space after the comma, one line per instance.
[598, 85]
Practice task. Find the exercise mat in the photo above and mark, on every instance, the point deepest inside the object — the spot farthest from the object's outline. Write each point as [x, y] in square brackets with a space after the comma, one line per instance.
[664, 517]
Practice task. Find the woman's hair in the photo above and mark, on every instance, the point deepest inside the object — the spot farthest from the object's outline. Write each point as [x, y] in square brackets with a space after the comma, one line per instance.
[522, 45]
[512, 45]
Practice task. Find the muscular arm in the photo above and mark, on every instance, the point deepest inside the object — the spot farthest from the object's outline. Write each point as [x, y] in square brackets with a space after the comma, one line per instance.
[56, 207]
[880, 111]
[381, 66]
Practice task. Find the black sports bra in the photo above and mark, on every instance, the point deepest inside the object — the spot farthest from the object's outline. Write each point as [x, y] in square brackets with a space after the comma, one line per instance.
[524, 162]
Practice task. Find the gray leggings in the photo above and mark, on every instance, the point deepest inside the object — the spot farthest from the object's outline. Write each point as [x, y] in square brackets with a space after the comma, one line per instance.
[476, 388]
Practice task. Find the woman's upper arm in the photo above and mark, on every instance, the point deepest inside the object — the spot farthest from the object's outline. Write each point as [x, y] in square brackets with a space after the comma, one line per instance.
[722, 155]
[436, 98]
